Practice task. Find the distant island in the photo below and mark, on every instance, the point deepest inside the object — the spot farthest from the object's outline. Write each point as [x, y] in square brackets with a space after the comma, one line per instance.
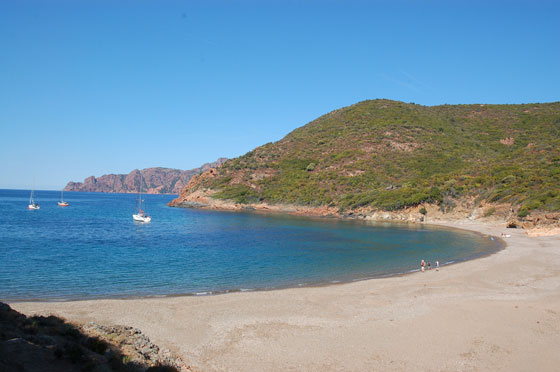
[154, 180]
[390, 160]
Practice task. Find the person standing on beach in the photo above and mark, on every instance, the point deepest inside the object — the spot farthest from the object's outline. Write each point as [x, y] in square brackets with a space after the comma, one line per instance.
[429, 265]
[437, 265]
[422, 264]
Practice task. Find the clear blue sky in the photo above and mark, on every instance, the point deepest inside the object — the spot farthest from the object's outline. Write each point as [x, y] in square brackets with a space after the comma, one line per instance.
[96, 87]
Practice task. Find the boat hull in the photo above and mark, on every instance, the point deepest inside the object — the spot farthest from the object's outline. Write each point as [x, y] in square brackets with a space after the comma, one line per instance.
[140, 218]
[33, 206]
[62, 204]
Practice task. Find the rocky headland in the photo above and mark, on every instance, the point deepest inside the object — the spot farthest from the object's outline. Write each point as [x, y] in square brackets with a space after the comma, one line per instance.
[386, 160]
[154, 180]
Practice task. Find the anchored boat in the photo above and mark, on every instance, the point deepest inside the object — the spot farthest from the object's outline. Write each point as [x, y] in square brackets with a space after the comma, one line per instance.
[62, 203]
[139, 213]
[32, 204]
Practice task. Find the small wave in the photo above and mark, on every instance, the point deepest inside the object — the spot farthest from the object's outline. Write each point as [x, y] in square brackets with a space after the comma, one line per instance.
[202, 293]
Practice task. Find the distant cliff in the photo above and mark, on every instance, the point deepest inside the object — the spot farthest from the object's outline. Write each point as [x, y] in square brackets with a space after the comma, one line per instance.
[154, 180]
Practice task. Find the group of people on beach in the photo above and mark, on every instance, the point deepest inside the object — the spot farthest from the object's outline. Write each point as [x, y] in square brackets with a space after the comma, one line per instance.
[429, 265]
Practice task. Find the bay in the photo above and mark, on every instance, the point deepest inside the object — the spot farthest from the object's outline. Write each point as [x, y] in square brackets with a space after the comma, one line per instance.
[93, 249]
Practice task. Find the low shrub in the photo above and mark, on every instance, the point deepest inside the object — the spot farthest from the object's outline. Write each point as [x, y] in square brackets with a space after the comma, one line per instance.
[523, 212]
[489, 212]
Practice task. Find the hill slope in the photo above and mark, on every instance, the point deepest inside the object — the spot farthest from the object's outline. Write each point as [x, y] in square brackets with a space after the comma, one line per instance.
[388, 155]
[155, 180]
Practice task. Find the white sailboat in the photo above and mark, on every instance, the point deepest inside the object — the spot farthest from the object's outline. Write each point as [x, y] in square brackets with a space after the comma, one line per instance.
[139, 213]
[32, 204]
[62, 203]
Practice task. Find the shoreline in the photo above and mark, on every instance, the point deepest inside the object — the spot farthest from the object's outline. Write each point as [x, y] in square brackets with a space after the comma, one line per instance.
[541, 224]
[326, 283]
[500, 312]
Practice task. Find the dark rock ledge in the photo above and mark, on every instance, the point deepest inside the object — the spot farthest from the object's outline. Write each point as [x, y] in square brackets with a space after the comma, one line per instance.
[39, 343]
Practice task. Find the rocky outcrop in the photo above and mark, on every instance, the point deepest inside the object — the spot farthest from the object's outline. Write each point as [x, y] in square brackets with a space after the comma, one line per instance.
[136, 346]
[39, 343]
[200, 199]
[154, 180]
[542, 224]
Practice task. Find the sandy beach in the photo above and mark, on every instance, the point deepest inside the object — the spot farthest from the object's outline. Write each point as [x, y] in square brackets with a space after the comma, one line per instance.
[496, 313]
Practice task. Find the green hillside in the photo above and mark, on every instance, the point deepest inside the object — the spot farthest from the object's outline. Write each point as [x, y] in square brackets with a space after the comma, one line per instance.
[390, 155]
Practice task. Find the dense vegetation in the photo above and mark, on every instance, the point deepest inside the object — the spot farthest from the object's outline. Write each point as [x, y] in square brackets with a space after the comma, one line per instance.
[390, 155]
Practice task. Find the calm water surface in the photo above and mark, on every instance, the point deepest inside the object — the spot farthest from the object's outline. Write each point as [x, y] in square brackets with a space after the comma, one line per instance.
[93, 249]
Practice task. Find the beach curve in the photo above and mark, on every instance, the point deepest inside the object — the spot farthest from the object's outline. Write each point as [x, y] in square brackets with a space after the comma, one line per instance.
[496, 313]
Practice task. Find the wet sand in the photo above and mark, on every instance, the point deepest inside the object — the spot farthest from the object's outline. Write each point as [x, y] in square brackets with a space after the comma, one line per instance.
[496, 313]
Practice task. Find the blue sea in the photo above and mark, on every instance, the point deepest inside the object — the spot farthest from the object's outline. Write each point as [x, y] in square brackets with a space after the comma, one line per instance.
[93, 249]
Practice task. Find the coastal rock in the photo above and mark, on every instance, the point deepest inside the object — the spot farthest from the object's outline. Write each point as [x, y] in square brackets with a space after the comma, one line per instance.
[198, 198]
[464, 209]
[154, 180]
[512, 224]
[136, 345]
[39, 343]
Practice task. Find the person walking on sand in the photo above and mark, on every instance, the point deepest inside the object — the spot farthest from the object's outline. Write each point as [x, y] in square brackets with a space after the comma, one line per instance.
[422, 264]
[429, 265]
[437, 265]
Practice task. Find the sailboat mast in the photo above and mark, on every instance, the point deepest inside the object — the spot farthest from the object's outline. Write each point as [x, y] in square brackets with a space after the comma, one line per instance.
[32, 190]
[140, 194]
[138, 205]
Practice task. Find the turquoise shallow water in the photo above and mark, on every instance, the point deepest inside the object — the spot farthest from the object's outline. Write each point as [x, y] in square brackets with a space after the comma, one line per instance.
[93, 249]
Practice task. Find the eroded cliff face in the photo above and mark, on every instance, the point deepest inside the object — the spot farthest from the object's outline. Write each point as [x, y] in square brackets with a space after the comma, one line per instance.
[190, 194]
[154, 180]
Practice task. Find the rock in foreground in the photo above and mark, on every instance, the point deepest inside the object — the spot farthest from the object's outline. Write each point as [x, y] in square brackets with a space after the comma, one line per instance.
[41, 343]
